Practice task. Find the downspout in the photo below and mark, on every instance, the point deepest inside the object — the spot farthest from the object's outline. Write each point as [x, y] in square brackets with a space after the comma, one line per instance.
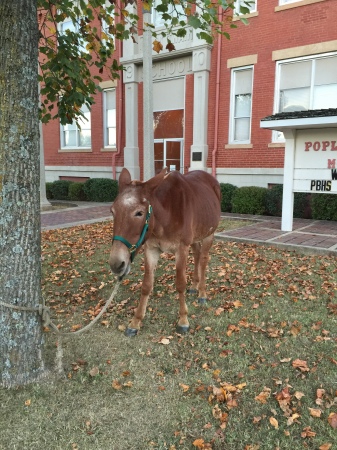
[217, 95]
[120, 106]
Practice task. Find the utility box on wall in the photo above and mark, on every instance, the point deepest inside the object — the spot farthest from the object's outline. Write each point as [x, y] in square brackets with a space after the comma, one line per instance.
[310, 161]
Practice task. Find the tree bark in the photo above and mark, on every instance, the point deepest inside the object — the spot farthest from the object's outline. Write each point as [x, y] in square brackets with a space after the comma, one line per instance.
[21, 338]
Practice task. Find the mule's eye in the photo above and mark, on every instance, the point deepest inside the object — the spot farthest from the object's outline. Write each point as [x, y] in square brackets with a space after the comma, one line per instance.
[139, 214]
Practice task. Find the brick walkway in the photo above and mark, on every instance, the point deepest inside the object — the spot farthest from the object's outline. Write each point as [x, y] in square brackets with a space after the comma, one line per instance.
[83, 213]
[313, 235]
[316, 236]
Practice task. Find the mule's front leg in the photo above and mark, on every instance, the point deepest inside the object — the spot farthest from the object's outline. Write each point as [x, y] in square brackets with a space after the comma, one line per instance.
[203, 261]
[151, 259]
[181, 261]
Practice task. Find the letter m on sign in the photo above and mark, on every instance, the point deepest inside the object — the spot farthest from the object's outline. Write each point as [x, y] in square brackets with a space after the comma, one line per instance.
[331, 163]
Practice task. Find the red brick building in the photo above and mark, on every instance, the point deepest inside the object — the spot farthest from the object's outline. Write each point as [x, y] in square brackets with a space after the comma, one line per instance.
[208, 100]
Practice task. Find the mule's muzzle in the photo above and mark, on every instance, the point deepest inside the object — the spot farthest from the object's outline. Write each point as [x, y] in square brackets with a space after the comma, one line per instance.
[120, 268]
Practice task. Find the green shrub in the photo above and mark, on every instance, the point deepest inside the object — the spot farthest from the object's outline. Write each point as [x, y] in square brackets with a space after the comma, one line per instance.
[59, 189]
[101, 189]
[227, 192]
[76, 191]
[302, 205]
[324, 206]
[274, 200]
[249, 200]
[49, 193]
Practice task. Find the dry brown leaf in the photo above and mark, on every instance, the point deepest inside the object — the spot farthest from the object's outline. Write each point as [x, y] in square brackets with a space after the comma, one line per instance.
[264, 395]
[332, 419]
[325, 447]
[157, 46]
[307, 432]
[301, 365]
[94, 371]
[273, 422]
[199, 443]
[315, 412]
[184, 387]
[116, 385]
[164, 341]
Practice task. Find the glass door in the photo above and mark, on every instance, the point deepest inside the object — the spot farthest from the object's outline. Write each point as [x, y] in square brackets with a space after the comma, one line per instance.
[168, 153]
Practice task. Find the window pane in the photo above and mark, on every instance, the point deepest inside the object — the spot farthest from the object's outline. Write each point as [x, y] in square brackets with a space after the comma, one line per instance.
[111, 118]
[112, 136]
[326, 71]
[295, 75]
[70, 139]
[242, 129]
[110, 99]
[325, 96]
[243, 81]
[85, 138]
[242, 105]
[295, 100]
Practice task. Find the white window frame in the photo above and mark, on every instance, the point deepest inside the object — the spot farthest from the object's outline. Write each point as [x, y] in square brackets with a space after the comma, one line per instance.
[232, 117]
[85, 125]
[75, 25]
[252, 7]
[105, 119]
[278, 136]
[286, 2]
[156, 16]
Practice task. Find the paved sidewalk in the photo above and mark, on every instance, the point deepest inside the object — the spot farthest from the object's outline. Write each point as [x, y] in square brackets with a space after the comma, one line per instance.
[81, 213]
[314, 236]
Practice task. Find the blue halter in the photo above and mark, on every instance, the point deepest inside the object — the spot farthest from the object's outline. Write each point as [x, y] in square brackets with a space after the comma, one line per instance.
[133, 247]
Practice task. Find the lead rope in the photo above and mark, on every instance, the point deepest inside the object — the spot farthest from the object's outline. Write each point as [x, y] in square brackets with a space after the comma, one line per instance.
[44, 312]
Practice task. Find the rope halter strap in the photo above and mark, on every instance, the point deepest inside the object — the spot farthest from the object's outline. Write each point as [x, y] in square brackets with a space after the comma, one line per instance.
[133, 247]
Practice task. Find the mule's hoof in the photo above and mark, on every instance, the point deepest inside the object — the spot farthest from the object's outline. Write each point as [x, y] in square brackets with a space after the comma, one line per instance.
[192, 291]
[131, 332]
[182, 329]
[202, 300]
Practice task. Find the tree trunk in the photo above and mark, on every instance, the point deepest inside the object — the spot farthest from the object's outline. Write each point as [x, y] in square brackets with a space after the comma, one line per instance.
[21, 336]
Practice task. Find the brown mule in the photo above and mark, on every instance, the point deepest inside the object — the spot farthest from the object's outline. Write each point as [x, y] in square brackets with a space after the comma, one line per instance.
[168, 213]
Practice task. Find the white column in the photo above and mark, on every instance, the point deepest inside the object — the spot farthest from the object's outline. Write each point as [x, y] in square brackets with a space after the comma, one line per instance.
[147, 98]
[288, 181]
[199, 148]
[131, 149]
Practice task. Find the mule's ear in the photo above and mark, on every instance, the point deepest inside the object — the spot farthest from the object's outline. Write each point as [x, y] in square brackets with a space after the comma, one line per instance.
[124, 179]
[152, 183]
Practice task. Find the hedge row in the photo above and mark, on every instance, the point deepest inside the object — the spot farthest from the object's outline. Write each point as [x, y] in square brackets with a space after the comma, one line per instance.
[244, 200]
[263, 201]
[93, 190]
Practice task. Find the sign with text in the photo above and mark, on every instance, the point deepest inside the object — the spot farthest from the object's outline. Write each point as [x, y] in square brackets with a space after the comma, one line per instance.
[315, 165]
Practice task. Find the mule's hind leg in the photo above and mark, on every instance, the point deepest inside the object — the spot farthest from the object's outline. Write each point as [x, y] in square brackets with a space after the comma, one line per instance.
[196, 248]
[181, 262]
[203, 261]
[151, 259]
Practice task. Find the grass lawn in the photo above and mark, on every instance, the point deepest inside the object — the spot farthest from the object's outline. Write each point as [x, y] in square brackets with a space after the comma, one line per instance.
[258, 369]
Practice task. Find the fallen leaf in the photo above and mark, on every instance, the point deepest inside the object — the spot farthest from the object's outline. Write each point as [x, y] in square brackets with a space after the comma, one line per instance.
[273, 422]
[301, 365]
[28, 402]
[94, 371]
[116, 385]
[315, 412]
[184, 387]
[199, 443]
[307, 432]
[264, 395]
[332, 419]
[164, 341]
[325, 447]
